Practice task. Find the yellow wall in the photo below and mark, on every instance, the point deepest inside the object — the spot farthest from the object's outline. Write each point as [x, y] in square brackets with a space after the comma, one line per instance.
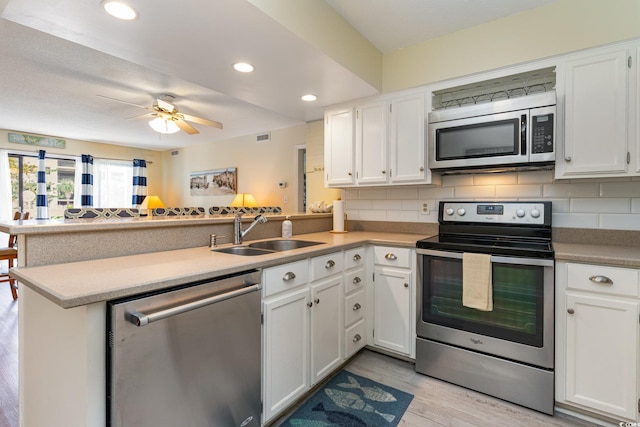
[98, 150]
[561, 27]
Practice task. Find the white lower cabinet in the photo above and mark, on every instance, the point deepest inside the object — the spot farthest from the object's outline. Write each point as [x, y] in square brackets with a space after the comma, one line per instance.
[355, 300]
[394, 307]
[597, 339]
[326, 327]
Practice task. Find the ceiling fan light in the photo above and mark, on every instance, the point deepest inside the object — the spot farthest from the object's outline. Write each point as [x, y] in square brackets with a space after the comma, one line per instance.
[119, 9]
[164, 126]
[243, 67]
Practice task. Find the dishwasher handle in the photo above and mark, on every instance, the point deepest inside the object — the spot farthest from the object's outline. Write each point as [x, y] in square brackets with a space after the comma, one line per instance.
[141, 319]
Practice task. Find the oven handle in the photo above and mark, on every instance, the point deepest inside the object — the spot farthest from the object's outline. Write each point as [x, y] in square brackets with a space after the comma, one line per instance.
[494, 258]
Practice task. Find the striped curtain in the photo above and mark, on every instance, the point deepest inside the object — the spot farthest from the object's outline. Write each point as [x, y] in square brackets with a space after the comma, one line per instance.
[139, 182]
[87, 181]
[42, 204]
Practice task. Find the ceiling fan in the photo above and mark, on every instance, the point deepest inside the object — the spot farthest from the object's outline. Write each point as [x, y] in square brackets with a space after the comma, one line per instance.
[167, 117]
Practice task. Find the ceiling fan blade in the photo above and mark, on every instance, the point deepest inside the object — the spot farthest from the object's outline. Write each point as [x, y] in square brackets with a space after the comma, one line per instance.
[186, 127]
[202, 121]
[140, 116]
[124, 102]
[167, 106]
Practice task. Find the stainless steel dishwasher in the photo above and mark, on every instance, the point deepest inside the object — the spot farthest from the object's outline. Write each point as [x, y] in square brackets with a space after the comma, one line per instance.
[186, 357]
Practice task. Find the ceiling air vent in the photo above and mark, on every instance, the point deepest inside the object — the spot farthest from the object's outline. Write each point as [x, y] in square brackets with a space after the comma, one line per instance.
[263, 137]
[175, 152]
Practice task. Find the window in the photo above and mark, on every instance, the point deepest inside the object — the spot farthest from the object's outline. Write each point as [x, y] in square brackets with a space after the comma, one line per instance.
[112, 183]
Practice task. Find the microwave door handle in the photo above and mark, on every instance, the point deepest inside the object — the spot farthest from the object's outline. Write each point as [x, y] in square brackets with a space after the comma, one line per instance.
[523, 135]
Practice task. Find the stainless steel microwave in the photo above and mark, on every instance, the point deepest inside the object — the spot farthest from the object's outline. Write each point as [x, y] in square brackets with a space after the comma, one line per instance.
[511, 132]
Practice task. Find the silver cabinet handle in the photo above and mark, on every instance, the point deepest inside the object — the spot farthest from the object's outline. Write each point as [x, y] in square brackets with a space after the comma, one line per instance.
[406, 285]
[601, 280]
[567, 159]
[330, 264]
[390, 257]
[288, 276]
[357, 307]
[309, 304]
[357, 338]
[357, 257]
[141, 319]
[356, 280]
[570, 311]
[317, 300]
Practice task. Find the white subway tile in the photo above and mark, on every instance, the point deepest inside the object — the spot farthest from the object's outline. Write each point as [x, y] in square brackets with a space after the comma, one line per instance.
[620, 189]
[373, 193]
[635, 205]
[495, 179]
[518, 191]
[431, 218]
[570, 190]
[535, 177]
[372, 215]
[476, 192]
[411, 205]
[349, 194]
[386, 205]
[601, 205]
[620, 221]
[559, 205]
[403, 216]
[352, 214]
[438, 193]
[357, 204]
[402, 193]
[457, 180]
[576, 220]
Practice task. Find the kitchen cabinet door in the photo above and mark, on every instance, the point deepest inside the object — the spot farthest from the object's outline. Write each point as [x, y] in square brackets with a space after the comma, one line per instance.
[392, 309]
[371, 143]
[596, 116]
[326, 327]
[406, 139]
[602, 354]
[286, 350]
[339, 147]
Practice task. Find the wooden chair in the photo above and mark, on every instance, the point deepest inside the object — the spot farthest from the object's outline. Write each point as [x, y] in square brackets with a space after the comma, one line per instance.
[10, 253]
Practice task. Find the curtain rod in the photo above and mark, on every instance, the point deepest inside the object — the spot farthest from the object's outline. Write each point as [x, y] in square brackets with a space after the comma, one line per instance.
[65, 157]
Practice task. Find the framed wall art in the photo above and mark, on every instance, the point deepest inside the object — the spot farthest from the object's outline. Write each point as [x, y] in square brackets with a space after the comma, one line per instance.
[216, 182]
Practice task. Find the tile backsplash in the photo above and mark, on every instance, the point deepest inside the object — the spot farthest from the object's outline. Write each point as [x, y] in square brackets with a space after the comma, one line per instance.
[612, 203]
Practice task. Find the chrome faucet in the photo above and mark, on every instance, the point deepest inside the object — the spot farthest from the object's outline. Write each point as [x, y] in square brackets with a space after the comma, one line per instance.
[238, 234]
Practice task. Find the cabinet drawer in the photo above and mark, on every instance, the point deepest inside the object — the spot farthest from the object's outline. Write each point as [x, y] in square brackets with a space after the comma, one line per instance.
[603, 279]
[354, 280]
[395, 257]
[354, 308]
[326, 265]
[354, 338]
[285, 277]
[354, 257]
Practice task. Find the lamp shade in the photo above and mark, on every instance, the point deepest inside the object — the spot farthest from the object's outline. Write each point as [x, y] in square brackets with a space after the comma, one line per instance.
[244, 200]
[164, 126]
[151, 202]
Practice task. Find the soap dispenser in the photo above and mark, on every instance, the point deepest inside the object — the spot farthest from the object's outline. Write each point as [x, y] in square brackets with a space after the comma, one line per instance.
[287, 227]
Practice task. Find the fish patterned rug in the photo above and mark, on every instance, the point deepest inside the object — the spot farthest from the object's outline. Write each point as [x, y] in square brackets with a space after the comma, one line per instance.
[349, 400]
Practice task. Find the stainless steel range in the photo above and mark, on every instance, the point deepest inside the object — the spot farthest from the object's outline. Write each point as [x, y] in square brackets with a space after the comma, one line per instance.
[506, 350]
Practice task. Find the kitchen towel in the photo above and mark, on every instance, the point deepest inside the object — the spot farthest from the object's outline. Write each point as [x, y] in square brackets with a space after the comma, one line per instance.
[477, 290]
[338, 215]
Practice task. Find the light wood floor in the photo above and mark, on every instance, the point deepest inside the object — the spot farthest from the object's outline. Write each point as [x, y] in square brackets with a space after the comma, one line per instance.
[8, 358]
[437, 403]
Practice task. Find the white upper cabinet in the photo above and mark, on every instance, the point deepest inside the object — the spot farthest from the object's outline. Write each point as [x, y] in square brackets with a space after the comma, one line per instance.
[339, 147]
[407, 143]
[598, 124]
[389, 142]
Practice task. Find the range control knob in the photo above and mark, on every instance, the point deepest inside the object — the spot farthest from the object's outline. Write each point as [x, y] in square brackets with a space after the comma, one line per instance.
[449, 211]
[461, 211]
[520, 213]
[535, 213]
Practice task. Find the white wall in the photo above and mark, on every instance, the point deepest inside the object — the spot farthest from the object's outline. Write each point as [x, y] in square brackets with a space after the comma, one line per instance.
[586, 203]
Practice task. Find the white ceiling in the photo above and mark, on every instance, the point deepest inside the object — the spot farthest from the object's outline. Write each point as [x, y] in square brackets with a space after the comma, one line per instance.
[57, 57]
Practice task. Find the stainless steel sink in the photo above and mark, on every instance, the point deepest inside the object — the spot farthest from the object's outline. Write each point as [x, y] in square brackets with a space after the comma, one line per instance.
[283, 245]
[243, 250]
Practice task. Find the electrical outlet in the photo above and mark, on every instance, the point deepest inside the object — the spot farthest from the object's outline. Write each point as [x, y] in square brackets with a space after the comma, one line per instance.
[424, 207]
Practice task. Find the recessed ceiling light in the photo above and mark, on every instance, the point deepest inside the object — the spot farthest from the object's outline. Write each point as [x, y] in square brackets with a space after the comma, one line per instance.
[309, 97]
[243, 67]
[119, 9]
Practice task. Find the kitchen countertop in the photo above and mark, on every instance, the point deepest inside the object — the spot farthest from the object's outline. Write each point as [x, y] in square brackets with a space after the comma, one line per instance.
[80, 283]
[623, 256]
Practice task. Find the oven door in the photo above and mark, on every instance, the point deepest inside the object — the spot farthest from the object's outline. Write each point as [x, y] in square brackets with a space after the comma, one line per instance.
[497, 139]
[520, 326]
